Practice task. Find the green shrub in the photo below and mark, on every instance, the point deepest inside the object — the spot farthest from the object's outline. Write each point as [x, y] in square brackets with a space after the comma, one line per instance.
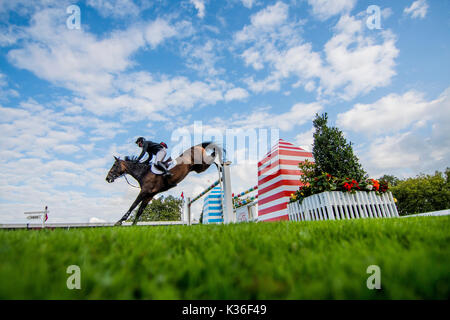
[423, 193]
[332, 153]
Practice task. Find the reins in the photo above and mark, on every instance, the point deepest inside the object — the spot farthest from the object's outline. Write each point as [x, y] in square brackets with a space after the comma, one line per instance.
[125, 176]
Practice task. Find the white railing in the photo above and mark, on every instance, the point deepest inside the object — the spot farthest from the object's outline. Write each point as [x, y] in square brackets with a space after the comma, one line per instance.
[338, 205]
[86, 225]
[444, 212]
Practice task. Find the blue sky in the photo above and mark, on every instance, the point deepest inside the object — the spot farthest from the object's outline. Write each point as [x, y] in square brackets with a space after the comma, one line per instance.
[72, 98]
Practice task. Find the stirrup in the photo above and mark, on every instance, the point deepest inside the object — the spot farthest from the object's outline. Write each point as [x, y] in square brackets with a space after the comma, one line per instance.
[167, 173]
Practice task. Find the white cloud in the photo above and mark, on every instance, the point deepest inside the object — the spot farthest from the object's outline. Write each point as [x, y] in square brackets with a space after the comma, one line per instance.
[299, 60]
[29, 130]
[418, 9]
[158, 98]
[397, 151]
[305, 139]
[203, 57]
[158, 31]
[96, 220]
[236, 94]
[353, 62]
[386, 13]
[95, 69]
[66, 148]
[263, 22]
[310, 86]
[26, 7]
[146, 94]
[325, 9]
[389, 114]
[115, 8]
[404, 145]
[271, 83]
[357, 63]
[5, 91]
[299, 114]
[271, 16]
[200, 6]
[248, 3]
[252, 57]
[77, 59]
[74, 59]
[9, 35]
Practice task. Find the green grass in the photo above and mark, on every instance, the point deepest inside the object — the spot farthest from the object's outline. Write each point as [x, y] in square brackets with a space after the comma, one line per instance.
[286, 260]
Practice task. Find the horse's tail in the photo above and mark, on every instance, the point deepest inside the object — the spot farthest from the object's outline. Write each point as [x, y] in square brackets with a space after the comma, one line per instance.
[217, 150]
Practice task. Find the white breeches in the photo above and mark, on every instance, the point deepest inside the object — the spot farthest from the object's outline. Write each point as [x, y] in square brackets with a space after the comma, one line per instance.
[160, 155]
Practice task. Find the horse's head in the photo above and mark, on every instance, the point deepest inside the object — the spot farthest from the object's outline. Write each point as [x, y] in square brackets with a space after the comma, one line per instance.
[117, 169]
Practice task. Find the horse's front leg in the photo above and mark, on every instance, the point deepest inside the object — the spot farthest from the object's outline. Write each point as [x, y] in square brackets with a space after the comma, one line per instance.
[144, 203]
[126, 215]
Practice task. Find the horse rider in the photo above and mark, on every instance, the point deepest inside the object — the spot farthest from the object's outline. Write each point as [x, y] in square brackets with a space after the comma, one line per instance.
[152, 148]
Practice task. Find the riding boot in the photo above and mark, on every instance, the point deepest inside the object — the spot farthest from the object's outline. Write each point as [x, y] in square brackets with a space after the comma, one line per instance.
[164, 168]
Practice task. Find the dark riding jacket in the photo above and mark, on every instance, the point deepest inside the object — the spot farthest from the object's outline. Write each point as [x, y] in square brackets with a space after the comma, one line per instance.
[151, 148]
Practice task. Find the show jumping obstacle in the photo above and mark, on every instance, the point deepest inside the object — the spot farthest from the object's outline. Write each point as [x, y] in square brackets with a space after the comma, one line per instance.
[212, 206]
[226, 201]
[239, 203]
[278, 178]
[246, 209]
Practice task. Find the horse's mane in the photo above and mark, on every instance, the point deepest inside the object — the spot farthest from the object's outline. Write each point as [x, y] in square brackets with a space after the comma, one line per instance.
[130, 158]
[133, 160]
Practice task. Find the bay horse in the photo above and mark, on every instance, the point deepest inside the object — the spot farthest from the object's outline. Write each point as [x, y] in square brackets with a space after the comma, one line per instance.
[193, 159]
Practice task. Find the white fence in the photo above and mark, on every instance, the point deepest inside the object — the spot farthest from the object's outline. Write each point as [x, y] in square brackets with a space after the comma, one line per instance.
[338, 205]
[247, 213]
[445, 212]
[86, 225]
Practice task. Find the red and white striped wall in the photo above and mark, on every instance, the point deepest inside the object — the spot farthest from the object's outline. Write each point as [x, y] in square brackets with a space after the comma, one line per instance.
[278, 178]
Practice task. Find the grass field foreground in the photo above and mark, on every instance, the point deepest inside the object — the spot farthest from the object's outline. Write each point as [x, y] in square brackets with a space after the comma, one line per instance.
[282, 260]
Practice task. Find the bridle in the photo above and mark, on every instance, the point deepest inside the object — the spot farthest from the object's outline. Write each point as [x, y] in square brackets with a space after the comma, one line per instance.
[115, 176]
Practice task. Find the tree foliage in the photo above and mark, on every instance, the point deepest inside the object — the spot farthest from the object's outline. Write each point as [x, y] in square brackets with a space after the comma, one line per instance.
[332, 153]
[392, 180]
[161, 209]
[423, 193]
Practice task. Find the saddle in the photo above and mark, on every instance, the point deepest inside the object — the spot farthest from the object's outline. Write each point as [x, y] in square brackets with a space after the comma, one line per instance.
[156, 169]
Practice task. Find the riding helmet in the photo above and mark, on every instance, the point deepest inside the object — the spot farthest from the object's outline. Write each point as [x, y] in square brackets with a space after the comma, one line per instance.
[140, 139]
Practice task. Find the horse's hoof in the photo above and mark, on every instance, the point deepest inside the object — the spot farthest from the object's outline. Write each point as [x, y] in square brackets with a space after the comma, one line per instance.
[118, 223]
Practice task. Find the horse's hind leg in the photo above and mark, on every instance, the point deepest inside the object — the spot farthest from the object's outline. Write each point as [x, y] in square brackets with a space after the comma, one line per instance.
[141, 208]
[135, 203]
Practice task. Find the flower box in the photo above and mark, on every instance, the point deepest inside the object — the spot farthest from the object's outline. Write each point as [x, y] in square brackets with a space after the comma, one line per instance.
[331, 205]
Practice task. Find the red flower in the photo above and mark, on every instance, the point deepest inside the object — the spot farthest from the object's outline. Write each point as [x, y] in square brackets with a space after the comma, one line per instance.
[376, 184]
[347, 186]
